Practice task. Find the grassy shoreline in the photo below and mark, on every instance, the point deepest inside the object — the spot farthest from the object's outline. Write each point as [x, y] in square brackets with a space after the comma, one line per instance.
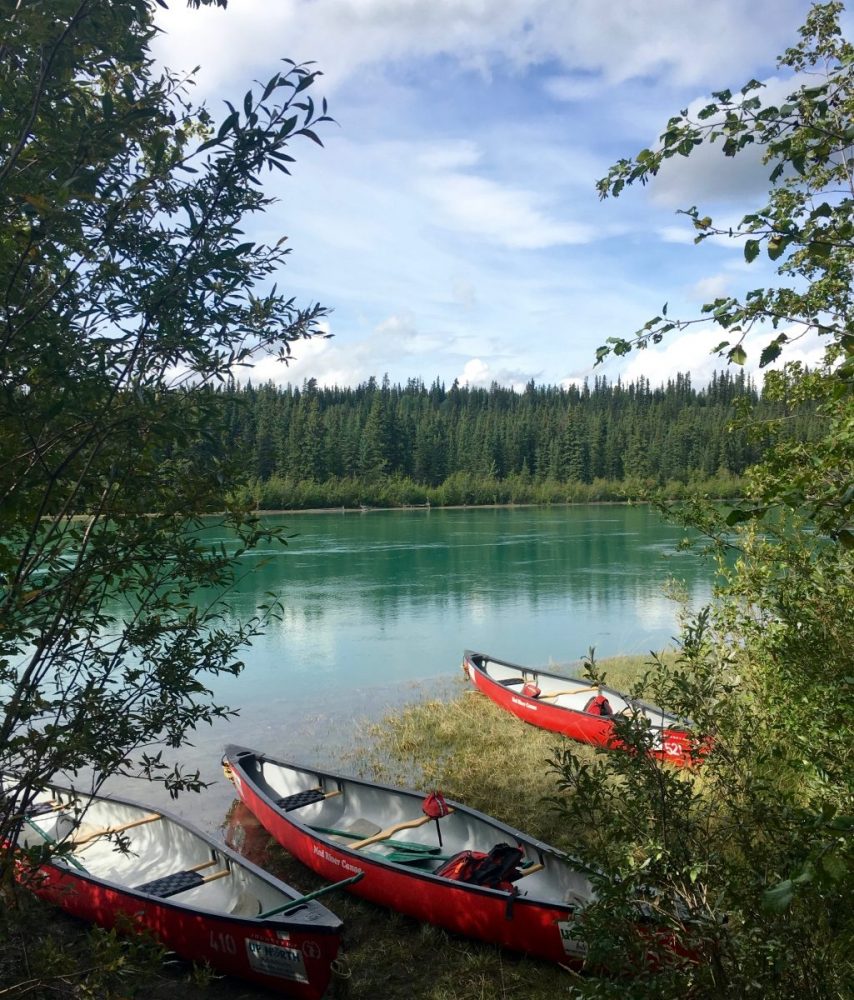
[462, 746]
[467, 490]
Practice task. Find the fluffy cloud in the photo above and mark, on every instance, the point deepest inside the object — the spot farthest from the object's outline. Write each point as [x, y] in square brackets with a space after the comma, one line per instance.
[635, 38]
[693, 352]
[480, 374]
[451, 223]
[512, 217]
[708, 289]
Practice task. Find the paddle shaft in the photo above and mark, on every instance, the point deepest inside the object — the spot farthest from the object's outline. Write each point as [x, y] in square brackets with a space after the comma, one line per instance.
[109, 830]
[54, 843]
[294, 903]
[557, 694]
[392, 830]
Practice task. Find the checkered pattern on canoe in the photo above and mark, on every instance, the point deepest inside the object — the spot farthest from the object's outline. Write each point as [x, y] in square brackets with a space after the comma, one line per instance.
[170, 885]
[300, 799]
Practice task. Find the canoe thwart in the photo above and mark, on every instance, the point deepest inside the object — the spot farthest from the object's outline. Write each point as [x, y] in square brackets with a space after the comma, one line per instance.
[305, 798]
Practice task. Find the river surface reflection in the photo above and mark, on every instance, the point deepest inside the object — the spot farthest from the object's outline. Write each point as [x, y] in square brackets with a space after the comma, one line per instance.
[379, 606]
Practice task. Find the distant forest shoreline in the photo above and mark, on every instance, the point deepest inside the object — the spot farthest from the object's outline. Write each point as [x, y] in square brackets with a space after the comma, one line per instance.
[391, 446]
[463, 506]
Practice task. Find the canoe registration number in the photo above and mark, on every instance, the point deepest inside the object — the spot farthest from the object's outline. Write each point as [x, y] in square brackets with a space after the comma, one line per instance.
[276, 960]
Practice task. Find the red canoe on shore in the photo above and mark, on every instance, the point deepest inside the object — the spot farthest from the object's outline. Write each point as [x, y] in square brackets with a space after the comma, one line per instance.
[574, 708]
[458, 869]
[120, 864]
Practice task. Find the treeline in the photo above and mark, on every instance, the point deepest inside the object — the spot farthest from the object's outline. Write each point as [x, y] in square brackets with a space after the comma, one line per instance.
[384, 444]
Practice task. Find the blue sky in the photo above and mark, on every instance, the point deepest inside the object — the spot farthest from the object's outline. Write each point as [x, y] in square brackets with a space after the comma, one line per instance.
[451, 222]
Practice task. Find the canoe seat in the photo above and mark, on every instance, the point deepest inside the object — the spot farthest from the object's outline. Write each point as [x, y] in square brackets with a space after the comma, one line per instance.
[299, 799]
[171, 885]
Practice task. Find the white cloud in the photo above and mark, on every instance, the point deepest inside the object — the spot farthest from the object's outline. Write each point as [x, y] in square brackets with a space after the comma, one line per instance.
[512, 217]
[708, 289]
[635, 38]
[449, 156]
[573, 88]
[692, 352]
[677, 234]
[480, 374]
[394, 344]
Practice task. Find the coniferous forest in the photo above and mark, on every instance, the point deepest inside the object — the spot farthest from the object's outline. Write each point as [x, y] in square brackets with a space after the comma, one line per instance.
[386, 445]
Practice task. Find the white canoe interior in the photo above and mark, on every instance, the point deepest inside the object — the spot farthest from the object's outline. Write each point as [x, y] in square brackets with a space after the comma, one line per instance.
[352, 812]
[136, 848]
[571, 693]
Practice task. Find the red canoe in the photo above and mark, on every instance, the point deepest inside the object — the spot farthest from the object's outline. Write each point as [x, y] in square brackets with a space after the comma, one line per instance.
[572, 707]
[120, 864]
[414, 863]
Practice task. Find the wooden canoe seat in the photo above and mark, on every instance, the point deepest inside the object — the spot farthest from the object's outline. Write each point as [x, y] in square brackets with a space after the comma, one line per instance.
[108, 831]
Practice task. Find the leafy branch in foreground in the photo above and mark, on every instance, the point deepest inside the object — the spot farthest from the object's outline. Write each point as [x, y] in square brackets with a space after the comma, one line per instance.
[806, 224]
[746, 862]
[127, 291]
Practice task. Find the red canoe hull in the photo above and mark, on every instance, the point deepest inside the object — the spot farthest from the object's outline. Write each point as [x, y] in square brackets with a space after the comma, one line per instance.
[297, 961]
[485, 914]
[583, 727]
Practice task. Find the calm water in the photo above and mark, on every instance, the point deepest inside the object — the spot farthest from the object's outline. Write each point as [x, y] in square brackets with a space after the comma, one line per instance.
[379, 607]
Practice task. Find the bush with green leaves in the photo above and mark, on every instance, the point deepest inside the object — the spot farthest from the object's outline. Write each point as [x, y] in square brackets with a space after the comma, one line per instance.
[735, 878]
[128, 291]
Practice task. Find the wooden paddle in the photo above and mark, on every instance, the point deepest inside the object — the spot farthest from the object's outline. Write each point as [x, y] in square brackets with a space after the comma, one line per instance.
[302, 900]
[557, 694]
[109, 830]
[390, 831]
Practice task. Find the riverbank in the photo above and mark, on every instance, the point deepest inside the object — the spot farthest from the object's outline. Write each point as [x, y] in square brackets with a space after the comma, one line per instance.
[468, 490]
[461, 746]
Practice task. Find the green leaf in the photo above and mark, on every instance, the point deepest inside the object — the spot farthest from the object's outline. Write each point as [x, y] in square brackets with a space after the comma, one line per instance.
[845, 537]
[776, 246]
[770, 353]
[751, 250]
[779, 897]
[737, 355]
[740, 514]
[834, 867]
